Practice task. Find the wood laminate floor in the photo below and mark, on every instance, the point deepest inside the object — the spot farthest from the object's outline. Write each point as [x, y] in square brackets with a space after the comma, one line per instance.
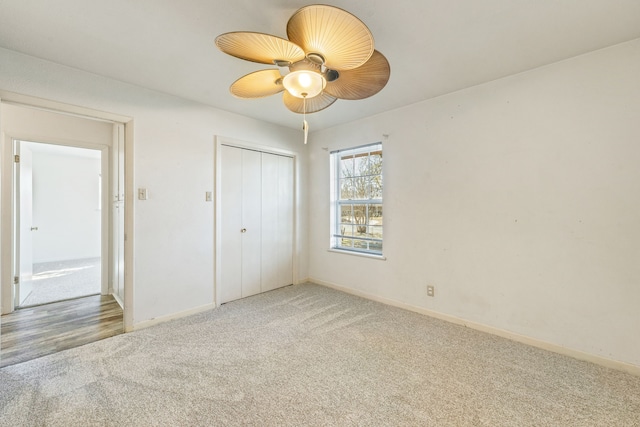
[34, 332]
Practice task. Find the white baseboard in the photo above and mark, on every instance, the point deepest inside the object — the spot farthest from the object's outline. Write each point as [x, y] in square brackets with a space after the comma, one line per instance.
[174, 316]
[576, 354]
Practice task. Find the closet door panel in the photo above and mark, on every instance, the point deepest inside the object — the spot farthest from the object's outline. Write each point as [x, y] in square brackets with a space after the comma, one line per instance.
[251, 222]
[270, 219]
[231, 223]
[284, 241]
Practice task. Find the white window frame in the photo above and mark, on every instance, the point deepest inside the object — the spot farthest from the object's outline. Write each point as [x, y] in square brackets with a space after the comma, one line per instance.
[336, 236]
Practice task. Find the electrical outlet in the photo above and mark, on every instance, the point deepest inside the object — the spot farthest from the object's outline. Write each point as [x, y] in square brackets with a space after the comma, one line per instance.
[431, 291]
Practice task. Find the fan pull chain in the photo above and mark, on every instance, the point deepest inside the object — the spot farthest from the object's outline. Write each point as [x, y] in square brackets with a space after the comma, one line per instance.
[305, 125]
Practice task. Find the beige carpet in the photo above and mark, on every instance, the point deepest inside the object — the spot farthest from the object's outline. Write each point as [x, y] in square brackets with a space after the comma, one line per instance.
[311, 356]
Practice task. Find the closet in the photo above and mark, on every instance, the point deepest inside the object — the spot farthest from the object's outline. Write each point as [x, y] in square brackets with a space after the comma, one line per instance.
[256, 206]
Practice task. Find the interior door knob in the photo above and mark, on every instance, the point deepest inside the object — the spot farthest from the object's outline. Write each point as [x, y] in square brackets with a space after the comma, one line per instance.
[244, 230]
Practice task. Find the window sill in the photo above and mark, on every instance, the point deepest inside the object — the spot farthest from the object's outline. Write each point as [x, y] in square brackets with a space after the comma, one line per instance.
[360, 254]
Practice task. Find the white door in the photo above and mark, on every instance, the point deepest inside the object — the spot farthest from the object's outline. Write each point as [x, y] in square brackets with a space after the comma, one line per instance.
[286, 220]
[256, 215]
[230, 286]
[277, 221]
[24, 218]
[250, 232]
[269, 221]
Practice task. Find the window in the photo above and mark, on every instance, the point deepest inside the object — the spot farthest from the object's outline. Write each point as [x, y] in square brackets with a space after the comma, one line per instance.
[356, 199]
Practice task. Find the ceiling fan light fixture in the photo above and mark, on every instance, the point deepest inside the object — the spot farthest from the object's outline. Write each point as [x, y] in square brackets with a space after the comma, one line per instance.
[329, 55]
[304, 83]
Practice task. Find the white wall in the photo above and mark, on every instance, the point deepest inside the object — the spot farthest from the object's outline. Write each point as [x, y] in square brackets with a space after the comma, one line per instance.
[173, 158]
[517, 199]
[65, 206]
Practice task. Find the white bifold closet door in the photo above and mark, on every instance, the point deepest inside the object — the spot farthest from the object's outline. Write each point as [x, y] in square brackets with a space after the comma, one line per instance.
[256, 222]
[277, 221]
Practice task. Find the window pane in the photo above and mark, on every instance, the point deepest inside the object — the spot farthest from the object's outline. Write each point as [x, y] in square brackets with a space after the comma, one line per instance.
[361, 231]
[375, 232]
[361, 164]
[360, 244]
[375, 163]
[346, 166]
[347, 189]
[375, 246]
[346, 243]
[375, 187]
[346, 229]
[359, 188]
[346, 213]
[375, 214]
[360, 217]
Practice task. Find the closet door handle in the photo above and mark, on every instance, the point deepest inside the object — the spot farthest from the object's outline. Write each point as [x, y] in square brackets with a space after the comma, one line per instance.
[243, 230]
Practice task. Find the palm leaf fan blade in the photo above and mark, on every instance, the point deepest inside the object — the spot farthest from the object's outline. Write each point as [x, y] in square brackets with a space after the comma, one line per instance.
[258, 84]
[259, 47]
[315, 104]
[340, 38]
[361, 82]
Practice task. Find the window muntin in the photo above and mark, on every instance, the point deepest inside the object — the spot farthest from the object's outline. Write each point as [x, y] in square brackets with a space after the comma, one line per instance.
[357, 199]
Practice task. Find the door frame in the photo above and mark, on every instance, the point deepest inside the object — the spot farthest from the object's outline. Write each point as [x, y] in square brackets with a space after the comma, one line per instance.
[231, 142]
[6, 185]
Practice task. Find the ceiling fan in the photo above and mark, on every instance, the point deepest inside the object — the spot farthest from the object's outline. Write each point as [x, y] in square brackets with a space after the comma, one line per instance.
[329, 56]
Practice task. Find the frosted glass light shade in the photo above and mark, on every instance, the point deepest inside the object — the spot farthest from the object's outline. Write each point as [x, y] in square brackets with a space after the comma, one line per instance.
[304, 84]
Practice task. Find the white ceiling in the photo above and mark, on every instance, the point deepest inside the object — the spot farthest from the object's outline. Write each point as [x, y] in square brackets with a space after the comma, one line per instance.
[434, 46]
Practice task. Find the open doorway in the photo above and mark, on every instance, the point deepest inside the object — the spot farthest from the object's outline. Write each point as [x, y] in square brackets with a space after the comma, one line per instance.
[30, 130]
[58, 202]
[72, 170]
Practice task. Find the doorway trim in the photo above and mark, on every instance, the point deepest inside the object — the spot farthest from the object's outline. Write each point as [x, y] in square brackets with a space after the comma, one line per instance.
[6, 185]
[219, 142]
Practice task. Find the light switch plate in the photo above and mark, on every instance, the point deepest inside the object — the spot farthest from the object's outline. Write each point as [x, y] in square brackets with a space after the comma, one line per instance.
[142, 194]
